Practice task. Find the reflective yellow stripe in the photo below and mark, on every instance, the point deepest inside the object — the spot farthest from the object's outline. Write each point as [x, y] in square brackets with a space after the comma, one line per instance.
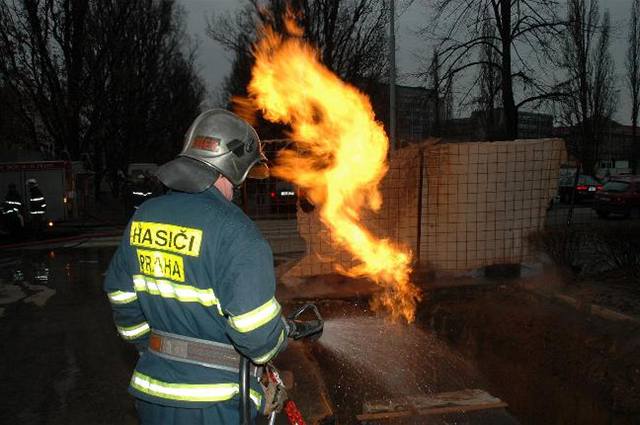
[121, 297]
[182, 293]
[255, 318]
[189, 392]
[265, 358]
[133, 332]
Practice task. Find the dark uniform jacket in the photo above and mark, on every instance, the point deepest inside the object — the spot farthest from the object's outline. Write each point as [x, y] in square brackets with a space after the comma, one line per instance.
[37, 203]
[12, 203]
[194, 265]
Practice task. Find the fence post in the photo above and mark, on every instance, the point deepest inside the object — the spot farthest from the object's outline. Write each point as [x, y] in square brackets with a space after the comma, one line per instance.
[420, 189]
[573, 194]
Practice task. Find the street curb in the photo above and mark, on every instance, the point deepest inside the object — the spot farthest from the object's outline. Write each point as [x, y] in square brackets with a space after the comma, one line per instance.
[58, 240]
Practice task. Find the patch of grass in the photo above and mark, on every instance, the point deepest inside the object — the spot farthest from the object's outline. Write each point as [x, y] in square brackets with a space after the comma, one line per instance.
[608, 251]
[617, 249]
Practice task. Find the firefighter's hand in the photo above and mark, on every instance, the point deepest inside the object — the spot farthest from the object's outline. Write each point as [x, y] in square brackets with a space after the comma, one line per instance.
[275, 394]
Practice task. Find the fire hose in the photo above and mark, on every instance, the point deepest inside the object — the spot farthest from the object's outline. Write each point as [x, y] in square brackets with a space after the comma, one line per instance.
[298, 328]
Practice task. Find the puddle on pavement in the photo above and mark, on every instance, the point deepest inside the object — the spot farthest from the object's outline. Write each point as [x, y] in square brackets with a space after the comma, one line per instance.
[35, 277]
[11, 293]
[15, 283]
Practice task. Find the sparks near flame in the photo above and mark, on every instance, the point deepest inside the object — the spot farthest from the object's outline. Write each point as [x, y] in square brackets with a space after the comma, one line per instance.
[339, 160]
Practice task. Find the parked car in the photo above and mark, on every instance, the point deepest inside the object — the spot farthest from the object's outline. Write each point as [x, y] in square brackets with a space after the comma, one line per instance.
[283, 198]
[586, 188]
[620, 195]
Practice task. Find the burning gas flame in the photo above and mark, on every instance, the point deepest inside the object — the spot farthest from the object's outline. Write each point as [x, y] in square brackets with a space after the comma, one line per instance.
[339, 160]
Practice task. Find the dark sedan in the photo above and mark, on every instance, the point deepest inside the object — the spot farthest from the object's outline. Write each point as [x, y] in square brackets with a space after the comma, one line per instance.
[620, 195]
[586, 188]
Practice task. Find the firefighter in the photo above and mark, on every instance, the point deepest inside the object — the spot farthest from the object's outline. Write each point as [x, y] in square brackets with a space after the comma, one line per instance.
[192, 283]
[12, 211]
[37, 205]
[141, 190]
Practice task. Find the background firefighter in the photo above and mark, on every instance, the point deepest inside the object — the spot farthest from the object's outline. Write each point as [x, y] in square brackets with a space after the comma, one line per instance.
[192, 283]
[37, 206]
[12, 211]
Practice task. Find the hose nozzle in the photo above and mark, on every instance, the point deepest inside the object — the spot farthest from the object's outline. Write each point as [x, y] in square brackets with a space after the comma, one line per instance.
[300, 328]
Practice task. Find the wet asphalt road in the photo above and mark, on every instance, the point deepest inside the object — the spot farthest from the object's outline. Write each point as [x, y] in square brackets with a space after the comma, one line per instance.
[62, 361]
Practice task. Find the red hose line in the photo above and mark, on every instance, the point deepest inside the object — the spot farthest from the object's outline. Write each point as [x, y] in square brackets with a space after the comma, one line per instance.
[293, 413]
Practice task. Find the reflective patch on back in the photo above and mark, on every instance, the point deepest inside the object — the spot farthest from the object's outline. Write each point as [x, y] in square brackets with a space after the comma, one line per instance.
[166, 237]
[161, 264]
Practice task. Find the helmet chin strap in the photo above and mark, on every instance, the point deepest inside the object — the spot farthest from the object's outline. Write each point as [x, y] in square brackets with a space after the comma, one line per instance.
[225, 187]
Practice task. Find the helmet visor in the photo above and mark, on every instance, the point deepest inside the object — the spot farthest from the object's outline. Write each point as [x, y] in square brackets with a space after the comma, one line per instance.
[187, 175]
[259, 171]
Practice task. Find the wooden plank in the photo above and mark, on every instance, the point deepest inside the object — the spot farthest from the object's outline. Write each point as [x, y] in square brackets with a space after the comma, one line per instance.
[432, 404]
[426, 412]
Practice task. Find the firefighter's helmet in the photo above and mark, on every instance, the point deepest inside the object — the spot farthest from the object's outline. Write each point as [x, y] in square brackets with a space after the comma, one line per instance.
[218, 142]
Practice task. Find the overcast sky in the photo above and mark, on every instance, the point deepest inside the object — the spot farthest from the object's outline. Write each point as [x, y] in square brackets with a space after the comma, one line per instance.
[215, 63]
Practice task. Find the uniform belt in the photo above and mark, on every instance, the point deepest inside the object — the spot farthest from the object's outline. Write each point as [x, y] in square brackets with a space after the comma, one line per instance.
[205, 353]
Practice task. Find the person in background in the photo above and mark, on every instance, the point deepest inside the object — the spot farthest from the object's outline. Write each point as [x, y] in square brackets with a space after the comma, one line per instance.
[37, 206]
[12, 211]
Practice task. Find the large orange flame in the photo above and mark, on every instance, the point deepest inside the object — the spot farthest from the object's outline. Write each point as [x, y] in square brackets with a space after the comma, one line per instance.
[339, 160]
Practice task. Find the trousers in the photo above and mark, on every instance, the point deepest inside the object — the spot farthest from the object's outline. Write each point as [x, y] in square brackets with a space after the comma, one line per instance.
[218, 414]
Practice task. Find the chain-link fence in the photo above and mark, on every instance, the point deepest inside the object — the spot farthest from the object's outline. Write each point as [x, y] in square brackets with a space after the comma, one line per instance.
[455, 205]
[484, 199]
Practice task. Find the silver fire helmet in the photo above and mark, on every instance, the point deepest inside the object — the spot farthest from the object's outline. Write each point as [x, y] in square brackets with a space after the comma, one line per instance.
[218, 142]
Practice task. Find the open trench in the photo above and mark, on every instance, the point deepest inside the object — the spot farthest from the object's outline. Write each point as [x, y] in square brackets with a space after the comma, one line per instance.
[549, 362]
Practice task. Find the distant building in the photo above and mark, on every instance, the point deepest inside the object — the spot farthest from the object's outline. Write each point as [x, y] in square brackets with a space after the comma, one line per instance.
[415, 111]
[483, 125]
[532, 125]
[616, 143]
[463, 128]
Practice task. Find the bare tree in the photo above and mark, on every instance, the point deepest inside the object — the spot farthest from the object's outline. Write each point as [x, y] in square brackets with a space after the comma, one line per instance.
[436, 87]
[16, 129]
[349, 34]
[521, 45]
[488, 101]
[590, 89]
[633, 75]
[151, 91]
[42, 49]
[442, 95]
[100, 76]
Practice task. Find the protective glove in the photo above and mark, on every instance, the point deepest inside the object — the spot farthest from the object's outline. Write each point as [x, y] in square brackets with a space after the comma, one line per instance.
[275, 393]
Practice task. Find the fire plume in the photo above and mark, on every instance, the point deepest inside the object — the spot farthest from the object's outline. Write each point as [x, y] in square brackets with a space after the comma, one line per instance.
[339, 159]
